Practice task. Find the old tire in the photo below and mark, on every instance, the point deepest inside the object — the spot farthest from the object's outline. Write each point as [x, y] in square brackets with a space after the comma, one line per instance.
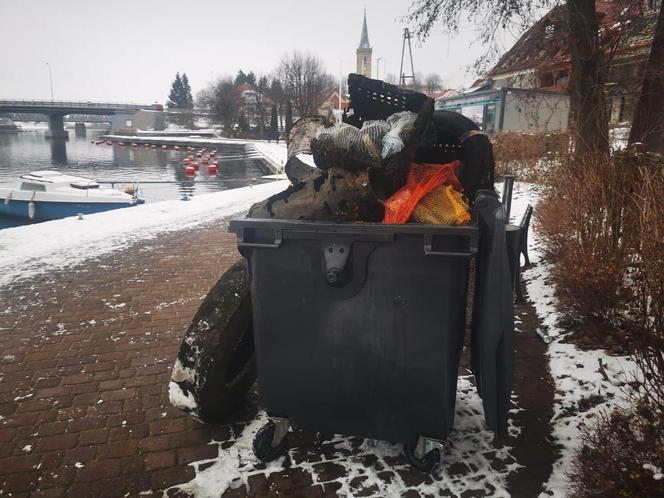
[263, 448]
[216, 365]
[425, 464]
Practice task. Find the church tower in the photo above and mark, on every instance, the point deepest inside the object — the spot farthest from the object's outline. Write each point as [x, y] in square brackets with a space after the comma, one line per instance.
[364, 51]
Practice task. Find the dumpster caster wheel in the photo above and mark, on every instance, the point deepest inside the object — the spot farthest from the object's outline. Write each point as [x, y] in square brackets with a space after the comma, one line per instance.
[270, 440]
[425, 455]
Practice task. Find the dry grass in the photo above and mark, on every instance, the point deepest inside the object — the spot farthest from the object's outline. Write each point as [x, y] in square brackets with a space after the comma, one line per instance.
[603, 223]
[528, 156]
[611, 461]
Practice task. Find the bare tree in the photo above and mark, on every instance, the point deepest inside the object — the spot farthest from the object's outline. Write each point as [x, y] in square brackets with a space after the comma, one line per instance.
[262, 89]
[490, 15]
[392, 78]
[226, 103]
[648, 121]
[205, 98]
[433, 82]
[587, 100]
[304, 80]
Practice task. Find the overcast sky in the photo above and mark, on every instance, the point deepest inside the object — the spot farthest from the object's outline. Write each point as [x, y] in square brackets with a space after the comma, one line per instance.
[129, 50]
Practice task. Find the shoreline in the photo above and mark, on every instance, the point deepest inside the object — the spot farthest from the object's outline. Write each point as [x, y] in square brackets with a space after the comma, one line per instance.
[275, 161]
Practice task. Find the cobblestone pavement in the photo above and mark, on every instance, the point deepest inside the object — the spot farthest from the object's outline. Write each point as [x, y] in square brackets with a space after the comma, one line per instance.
[85, 361]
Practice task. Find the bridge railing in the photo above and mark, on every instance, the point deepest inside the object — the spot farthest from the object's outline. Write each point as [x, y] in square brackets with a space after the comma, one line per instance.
[74, 104]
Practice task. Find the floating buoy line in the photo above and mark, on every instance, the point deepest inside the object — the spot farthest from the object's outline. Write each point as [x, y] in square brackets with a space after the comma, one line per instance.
[191, 162]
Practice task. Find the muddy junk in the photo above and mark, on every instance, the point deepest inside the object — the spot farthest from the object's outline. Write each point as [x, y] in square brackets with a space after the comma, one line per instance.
[355, 321]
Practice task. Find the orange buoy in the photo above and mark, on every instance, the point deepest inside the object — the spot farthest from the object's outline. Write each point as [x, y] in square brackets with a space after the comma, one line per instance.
[195, 166]
[134, 144]
[108, 142]
[198, 154]
[212, 169]
[154, 146]
[121, 144]
[164, 147]
[189, 171]
[176, 148]
[185, 160]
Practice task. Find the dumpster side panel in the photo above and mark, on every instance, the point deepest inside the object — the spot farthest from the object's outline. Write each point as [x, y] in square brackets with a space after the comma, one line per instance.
[375, 357]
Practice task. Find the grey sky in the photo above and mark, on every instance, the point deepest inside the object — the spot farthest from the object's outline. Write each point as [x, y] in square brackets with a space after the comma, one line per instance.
[129, 50]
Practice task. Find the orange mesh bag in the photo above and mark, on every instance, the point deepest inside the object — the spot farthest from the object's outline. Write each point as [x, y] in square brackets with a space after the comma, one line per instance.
[422, 178]
[443, 205]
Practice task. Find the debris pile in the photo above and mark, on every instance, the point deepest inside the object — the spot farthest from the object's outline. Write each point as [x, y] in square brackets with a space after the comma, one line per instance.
[392, 159]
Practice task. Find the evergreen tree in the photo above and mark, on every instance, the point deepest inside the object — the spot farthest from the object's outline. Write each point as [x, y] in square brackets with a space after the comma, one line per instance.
[174, 97]
[242, 122]
[241, 78]
[187, 99]
[251, 78]
[274, 125]
[289, 116]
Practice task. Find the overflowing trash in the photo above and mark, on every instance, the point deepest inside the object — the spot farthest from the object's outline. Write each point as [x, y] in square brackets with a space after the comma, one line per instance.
[351, 302]
[422, 180]
[382, 161]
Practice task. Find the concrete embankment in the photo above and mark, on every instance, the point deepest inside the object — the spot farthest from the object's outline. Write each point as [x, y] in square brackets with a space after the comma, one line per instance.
[275, 162]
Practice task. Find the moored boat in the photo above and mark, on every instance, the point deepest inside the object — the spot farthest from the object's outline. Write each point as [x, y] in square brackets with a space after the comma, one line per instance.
[51, 195]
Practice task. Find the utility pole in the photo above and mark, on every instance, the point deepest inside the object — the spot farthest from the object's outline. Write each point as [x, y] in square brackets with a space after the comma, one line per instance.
[340, 84]
[50, 78]
[403, 76]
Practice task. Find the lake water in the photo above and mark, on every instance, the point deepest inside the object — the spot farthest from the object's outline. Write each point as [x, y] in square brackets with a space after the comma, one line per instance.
[239, 165]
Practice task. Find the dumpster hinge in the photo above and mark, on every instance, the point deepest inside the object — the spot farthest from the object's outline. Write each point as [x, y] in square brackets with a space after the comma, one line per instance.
[335, 255]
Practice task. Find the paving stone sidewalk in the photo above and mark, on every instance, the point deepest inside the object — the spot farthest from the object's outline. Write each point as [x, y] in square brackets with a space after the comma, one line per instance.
[85, 360]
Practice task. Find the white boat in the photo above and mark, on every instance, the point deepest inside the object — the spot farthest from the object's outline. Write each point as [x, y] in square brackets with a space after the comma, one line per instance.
[51, 195]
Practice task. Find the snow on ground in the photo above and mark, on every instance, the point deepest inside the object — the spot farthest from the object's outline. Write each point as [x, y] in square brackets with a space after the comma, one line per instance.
[581, 389]
[277, 154]
[189, 140]
[471, 462]
[30, 250]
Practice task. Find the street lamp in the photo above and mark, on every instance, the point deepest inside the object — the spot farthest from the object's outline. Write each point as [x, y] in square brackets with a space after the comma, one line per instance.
[341, 79]
[378, 67]
[50, 78]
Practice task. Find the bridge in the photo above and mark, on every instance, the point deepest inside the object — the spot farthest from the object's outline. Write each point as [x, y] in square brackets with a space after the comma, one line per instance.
[57, 110]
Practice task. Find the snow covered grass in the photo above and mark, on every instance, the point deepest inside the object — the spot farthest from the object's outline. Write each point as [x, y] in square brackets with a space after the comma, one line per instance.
[34, 249]
[582, 389]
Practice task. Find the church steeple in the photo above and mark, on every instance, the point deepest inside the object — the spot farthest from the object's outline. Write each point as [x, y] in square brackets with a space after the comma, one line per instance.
[364, 51]
[364, 40]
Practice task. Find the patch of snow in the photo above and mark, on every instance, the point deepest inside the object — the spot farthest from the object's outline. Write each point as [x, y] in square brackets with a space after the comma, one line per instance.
[79, 465]
[275, 153]
[470, 445]
[576, 373]
[27, 448]
[34, 249]
[180, 399]
[25, 396]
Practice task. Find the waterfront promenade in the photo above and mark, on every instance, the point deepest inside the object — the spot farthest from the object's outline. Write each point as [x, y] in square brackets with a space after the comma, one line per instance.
[86, 358]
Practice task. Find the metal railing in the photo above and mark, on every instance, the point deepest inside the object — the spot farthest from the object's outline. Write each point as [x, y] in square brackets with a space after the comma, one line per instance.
[78, 105]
